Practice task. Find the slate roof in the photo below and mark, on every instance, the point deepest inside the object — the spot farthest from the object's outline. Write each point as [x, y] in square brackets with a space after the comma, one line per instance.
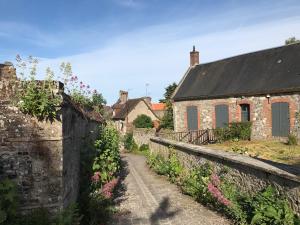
[271, 71]
[126, 108]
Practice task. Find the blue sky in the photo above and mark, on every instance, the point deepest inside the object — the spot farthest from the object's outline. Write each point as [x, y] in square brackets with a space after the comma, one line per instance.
[124, 44]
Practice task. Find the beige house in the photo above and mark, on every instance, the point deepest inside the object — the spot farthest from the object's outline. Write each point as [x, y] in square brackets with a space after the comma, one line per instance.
[125, 111]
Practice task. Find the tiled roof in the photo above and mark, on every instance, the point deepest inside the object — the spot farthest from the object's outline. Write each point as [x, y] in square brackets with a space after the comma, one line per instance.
[158, 106]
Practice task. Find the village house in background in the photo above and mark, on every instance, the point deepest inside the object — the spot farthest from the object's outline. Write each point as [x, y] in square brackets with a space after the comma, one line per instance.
[125, 111]
[262, 87]
[159, 109]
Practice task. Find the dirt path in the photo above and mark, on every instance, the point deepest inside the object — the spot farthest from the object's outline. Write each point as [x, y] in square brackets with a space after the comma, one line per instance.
[150, 199]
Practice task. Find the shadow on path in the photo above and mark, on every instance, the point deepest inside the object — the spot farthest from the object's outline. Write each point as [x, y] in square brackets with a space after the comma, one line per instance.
[162, 212]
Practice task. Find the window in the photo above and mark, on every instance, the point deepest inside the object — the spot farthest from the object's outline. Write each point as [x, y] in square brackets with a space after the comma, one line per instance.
[245, 112]
[192, 117]
[222, 116]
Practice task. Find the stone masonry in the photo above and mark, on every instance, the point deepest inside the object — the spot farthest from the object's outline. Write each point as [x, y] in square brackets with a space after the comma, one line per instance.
[43, 158]
[260, 113]
[248, 174]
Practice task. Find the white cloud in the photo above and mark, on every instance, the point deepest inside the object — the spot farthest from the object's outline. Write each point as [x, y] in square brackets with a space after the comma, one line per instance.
[129, 3]
[159, 55]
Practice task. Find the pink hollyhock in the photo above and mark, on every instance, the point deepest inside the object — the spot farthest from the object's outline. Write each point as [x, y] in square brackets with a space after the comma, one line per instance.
[216, 193]
[215, 180]
[96, 177]
[108, 188]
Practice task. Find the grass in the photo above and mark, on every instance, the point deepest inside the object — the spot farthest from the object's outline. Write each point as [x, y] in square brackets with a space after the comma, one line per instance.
[271, 150]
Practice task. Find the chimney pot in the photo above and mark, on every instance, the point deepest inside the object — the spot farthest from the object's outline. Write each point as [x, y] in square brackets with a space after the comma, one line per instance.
[194, 57]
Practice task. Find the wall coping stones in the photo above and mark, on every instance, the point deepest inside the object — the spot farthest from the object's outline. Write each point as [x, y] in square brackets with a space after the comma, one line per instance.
[235, 158]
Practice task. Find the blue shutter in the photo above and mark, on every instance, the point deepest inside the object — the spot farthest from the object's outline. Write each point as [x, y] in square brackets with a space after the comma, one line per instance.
[192, 117]
[280, 119]
[222, 116]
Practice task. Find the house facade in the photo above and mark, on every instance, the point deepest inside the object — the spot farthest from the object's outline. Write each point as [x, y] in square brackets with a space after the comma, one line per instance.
[261, 87]
[125, 111]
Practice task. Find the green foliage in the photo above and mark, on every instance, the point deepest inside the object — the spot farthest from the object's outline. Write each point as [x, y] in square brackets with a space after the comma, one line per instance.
[129, 143]
[291, 40]
[270, 209]
[143, 121]
[240, 150]
[175, 167]
[206, 186]
[69, 216]
[292, 140]
[144, 148]
[107, 161]
[196, 181]
[235, 131]
[35, 98]
[8, 201]
[167, 120]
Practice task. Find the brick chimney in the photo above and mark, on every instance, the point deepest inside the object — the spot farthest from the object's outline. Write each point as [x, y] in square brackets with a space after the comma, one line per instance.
[123, 97]
[194, 57]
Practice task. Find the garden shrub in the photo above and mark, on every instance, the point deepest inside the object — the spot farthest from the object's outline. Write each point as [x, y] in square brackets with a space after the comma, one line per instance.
[144, 148]
[269, 208]
[129, 143]
[175, 167]
[292, 140]
[207, 186]
[235, 131]
[143, 121]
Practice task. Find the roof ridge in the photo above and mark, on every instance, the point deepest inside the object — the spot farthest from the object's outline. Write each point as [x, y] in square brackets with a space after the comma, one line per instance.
[249, 53]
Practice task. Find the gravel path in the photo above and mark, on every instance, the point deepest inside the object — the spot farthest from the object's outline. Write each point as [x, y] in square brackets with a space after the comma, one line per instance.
[151, 199]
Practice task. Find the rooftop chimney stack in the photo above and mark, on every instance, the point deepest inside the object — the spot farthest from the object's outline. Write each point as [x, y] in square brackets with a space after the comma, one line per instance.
[194, 57]
[123, 97]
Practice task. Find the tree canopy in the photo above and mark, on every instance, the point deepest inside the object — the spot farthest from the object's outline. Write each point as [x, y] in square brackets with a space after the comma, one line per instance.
[143, 121]
[167, 120]
[292, 40]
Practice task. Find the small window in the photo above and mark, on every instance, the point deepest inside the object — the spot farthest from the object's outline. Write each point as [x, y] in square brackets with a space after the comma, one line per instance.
[245, 112]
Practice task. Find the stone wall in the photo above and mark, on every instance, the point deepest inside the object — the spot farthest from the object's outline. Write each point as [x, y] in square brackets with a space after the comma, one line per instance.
[143, 135]
[260, 113]
[43, 158]
[250, 175]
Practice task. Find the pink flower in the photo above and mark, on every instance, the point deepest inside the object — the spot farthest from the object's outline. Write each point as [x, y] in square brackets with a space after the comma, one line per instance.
[96, 177]
[88, 86]
[215, 180]
[108, 188]
[216, 193]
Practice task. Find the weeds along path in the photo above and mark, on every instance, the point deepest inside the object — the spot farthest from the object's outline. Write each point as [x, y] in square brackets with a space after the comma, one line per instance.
[150, 199]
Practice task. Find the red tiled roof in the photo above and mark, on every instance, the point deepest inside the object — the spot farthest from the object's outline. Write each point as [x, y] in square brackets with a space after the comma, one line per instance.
[158, 106]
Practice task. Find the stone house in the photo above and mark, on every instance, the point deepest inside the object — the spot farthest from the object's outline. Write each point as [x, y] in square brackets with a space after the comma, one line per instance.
[125, 111]
[43, 158]
[262, 87]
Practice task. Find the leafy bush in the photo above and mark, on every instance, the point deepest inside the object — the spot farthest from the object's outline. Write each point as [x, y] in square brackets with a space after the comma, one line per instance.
[269, 208]
[129, 143]
[213, 189]
[240, 130]
[143, 121]
[35, 98]
[292, 140]
[235, 131]
[196, 181]
[144, 148]
[175, 167]
[107, 161]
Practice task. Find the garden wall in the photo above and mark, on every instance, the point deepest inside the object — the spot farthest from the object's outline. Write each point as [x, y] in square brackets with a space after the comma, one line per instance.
[143, 135]
[250, 175]
[42, 157]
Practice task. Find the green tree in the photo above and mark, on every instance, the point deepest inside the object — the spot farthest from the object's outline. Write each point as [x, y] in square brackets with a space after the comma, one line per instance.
[291, 40]
[167, 120]
[143, 121]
